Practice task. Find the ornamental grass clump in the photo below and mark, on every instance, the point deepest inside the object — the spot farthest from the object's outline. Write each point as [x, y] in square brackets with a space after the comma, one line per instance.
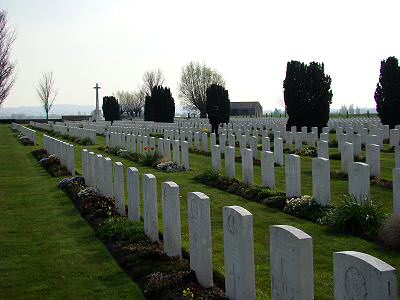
[390, 233]
[86, 142]
[151, 157]
[304, 207]
[364, 220]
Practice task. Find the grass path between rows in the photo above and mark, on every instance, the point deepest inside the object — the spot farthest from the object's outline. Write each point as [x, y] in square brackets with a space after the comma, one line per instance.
[325, 242]
[47, 250]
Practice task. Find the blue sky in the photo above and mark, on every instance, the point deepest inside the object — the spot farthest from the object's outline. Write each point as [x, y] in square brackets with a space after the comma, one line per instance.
[248, 42]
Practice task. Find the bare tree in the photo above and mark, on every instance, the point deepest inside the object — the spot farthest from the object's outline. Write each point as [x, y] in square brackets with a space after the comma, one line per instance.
[46, 91]
[195, 80]
[151, 79]
[7, 67]
[138, 99]
[131, 102]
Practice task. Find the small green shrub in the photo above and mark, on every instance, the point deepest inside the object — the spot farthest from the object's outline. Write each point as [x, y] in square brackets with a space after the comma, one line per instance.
[112, 150]
[304, 207]
[278, 202]
[335, 156]
[133, 156]
[86, 142]
[151, 159]
[388, 150]
[363, 220]
[390, 233]
[121, 229]
[333, 144]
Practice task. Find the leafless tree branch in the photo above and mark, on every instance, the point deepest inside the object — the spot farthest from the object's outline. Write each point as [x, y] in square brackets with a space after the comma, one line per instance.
[46, 91]
[195, 80]
[151, 79]
[7, 67]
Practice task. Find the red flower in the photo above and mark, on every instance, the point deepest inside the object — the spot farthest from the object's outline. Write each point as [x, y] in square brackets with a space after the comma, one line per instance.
[145, 148]
[152, 148]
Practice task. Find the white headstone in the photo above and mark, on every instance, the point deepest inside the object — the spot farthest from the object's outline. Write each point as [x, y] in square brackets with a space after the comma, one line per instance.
[171, 219]
[85, 165]
[230, 168]
[92, 170]
[396, 191]
[100, 174]
[321, 178]
[150, 207]
[347, 156]
[216, 158]
[323, 149]
[204, 142]
[293, 176]
[278, 151]
[247, 166]
[361, 276]
[200, 238]
[373, 153]
[185, 155]
[359, 182]
[119, 188]
[108, 177]
[291, 263]
[133, 194]
[267, 169]
[239, 253]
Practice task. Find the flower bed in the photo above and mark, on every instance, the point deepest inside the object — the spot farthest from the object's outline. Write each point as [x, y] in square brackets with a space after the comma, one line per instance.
[234, 186]
[169, 167]
[150, 158]
[25, 140]
[159, 276]
[348, 216]
[50, 163]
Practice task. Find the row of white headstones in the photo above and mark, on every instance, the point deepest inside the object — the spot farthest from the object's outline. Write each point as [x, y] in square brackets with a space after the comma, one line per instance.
[64, 151]
[356, 275]
[25, 131]
[69, 130]
[358, 173]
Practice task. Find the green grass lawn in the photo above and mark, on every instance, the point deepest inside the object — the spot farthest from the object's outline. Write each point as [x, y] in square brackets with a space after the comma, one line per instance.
[325, 242]
[47, 250]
